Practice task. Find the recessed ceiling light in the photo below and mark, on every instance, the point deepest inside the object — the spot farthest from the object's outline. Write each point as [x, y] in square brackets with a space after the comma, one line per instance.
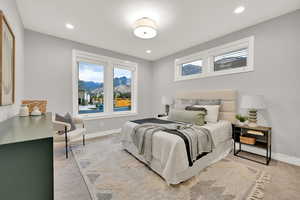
[145, 28]
[239, 9]
[148, 51]
[69, 26]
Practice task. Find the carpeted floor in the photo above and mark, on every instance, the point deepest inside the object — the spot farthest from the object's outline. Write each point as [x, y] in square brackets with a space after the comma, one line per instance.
[68, 181]
[112, 173]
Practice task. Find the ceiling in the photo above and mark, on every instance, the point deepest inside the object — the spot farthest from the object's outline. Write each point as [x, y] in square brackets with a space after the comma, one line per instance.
[181, 23]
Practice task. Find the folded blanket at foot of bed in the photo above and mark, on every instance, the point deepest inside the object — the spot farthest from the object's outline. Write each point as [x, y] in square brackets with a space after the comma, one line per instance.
[198, 140]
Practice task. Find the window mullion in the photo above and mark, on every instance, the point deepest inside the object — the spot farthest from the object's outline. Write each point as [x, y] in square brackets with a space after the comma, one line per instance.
[133, 91]
[108, 88]
[209, 62]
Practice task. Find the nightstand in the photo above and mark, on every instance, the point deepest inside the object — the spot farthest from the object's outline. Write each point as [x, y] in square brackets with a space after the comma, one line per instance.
[259, 136]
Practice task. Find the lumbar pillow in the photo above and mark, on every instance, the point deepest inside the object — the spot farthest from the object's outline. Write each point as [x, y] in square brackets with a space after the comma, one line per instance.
[212, 112]
[193, 117]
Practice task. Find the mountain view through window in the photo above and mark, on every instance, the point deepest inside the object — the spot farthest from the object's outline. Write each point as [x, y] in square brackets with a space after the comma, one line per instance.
[90, 88]
[122, 89]
[191, 68]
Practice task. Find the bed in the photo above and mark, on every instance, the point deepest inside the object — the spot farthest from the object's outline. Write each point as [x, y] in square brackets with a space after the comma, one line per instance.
[170, 159]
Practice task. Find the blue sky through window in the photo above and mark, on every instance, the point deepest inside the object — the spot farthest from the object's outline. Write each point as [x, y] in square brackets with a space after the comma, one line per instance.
[118, 72]
[91, 72]
[95, 73]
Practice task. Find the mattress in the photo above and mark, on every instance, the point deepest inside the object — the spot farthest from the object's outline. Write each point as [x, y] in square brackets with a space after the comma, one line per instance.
[169, 153]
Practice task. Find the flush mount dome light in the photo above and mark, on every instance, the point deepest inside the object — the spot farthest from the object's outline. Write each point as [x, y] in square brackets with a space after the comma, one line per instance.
[145, 28]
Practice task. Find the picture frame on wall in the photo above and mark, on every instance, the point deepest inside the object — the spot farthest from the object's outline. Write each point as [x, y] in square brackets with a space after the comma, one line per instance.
[7, 63]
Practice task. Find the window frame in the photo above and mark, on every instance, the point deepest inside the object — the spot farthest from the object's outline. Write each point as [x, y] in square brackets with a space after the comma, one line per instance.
[208, 60]
[108, 63]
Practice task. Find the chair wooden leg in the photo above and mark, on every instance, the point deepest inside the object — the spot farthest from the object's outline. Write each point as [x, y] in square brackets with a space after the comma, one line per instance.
[66, 141]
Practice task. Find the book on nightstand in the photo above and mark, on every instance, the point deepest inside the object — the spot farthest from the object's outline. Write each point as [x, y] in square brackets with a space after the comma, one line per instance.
[253, 132]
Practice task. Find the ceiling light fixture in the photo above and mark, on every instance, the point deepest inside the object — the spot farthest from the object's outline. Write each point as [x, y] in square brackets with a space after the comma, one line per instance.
[145, 28]
[69, 26]
[239, 9]
[148, 51]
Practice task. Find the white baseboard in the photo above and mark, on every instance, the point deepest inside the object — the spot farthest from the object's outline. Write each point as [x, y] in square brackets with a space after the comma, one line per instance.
[98, 134]
[102, 133]
[276, 156]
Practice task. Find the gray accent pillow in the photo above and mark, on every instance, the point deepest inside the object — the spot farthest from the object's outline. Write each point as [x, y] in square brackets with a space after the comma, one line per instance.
[208, 102]
[66, 119]
[193, 117]
[183, 103]
[60, 118]
[193, 108]
[69, 118]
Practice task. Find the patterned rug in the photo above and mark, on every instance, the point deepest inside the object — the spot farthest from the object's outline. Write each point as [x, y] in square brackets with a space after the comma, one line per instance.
[113, 174]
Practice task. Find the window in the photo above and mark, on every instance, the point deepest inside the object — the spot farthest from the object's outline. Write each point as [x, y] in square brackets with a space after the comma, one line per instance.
[122, 89]
[191, 68]
[90, 88]
[235, 57]
[231, 60]
[103, 86]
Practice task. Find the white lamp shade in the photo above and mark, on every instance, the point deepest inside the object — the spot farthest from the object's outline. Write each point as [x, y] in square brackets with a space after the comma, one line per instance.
[166, 100]
[253, 102]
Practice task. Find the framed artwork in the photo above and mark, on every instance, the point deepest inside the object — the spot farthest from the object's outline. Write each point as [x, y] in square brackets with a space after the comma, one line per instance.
[7, 63]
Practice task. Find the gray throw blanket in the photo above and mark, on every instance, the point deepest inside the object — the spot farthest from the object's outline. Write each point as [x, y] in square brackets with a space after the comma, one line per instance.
[142, 137]
[199, 138]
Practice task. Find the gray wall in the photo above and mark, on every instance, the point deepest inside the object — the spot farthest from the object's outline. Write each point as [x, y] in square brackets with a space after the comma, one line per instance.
[48, 75]
[276, 76]
[11, 13]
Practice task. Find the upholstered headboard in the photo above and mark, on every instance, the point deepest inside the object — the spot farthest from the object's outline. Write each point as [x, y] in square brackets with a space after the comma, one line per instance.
[227, 97]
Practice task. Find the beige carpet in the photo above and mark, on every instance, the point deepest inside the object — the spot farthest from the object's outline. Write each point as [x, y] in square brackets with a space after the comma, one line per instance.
[113, 174]
[68, 181]
[70, 185]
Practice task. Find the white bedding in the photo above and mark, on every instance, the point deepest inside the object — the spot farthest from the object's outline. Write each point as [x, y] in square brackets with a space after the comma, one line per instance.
[169, 151]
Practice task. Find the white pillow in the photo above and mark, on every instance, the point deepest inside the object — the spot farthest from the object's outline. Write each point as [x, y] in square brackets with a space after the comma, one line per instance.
[212, 112]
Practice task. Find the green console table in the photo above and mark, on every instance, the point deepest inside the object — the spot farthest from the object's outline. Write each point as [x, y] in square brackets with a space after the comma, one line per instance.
[26, 158]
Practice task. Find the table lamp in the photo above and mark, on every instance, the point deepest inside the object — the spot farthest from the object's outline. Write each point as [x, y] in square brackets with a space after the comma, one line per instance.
[166, 101]
[253, 103]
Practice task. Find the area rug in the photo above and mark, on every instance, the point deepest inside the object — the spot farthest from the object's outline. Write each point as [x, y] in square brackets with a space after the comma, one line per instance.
[113, 174]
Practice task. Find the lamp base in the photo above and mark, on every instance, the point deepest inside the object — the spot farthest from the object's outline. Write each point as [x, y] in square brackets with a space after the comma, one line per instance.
[252, 118]
[167, 109]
